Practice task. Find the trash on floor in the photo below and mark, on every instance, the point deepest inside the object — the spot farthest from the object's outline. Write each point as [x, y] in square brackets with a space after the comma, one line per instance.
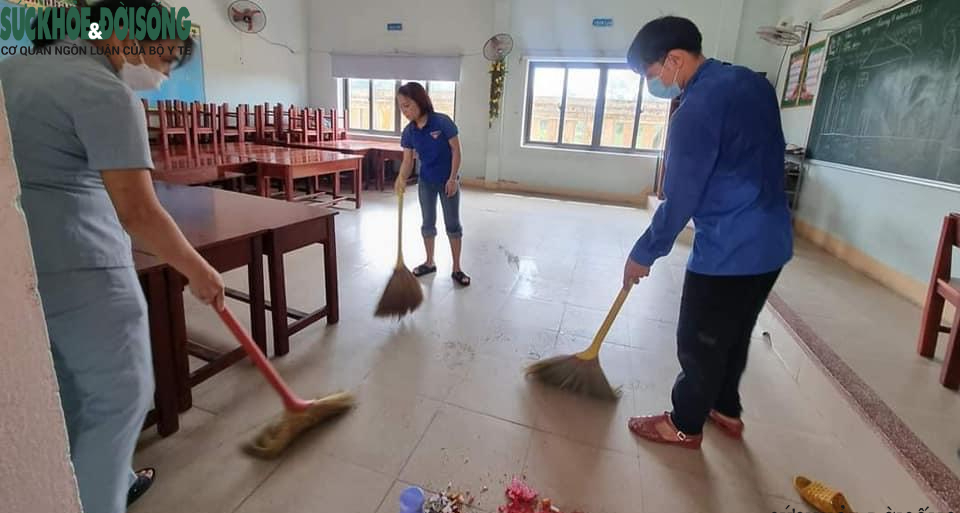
[521, 498]
[821, 496]
[448, 501]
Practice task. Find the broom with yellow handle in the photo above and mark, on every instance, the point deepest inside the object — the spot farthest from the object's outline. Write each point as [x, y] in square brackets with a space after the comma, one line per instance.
[403, 293]
[581, 373]
[299, 415]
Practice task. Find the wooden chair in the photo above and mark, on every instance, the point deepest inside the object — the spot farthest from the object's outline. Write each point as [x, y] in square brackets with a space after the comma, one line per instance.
[267, 121]
[313, 126]
[328, 131]
[304, 125]
[229, 123]
[204, 123]
[172, 120]
[247, 123]
[943, 288]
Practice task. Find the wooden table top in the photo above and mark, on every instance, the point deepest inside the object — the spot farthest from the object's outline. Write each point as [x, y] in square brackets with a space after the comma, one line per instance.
[209, 216]
[353, 145]
[179, 158]
[195, 176]
[301, 157]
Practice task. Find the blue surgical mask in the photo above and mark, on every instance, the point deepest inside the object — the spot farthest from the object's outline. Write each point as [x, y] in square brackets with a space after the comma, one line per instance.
[658, 89]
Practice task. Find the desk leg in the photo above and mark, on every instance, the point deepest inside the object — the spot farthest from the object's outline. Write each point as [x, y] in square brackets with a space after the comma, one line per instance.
[357, 187]
[381, 171]
[258, 310]
[336, 185]
[166, 385]
[263, 183]
[288, 185]
[178, 338]
[278, 299]
[330, 271]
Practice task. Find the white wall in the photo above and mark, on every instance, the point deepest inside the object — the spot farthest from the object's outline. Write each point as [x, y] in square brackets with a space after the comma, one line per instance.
[539, 28]
[244, 68]
[563, 28]
[430, 27]
[895, 222]
[35, 470]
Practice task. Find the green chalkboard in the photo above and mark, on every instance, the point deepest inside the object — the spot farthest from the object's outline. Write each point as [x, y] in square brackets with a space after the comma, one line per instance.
[889, 95]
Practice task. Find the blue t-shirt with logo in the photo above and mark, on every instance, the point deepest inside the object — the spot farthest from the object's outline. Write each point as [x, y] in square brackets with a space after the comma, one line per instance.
[432, 144]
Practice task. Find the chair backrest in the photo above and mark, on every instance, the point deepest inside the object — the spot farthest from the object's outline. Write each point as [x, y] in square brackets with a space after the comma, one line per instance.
[955, 225]
[949, 239]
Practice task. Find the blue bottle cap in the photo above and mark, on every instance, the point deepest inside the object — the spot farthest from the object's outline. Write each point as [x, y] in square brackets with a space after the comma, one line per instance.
[411, 500]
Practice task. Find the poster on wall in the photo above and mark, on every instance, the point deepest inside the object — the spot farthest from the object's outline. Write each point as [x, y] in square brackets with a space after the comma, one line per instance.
[185, 82]
[791, 91]
[811, 73]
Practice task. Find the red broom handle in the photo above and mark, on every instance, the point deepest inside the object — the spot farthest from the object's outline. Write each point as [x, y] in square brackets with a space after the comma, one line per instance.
[290, 401]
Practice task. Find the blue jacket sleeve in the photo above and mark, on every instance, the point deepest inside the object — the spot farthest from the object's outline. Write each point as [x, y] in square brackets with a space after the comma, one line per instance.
[691, 155]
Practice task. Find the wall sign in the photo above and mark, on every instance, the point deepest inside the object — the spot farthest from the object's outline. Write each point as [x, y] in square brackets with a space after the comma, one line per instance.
[603, 22]
[811, 73]
[791, 91]
[394, 26]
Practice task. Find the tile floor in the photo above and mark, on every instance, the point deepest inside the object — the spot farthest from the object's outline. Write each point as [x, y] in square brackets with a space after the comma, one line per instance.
[442, 398]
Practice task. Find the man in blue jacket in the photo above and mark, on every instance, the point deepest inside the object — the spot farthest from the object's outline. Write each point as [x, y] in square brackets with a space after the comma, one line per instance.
[723, 169]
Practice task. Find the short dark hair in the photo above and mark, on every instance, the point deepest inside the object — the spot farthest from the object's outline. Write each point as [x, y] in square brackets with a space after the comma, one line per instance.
[657, 38]
[112, 6]
[418, 94]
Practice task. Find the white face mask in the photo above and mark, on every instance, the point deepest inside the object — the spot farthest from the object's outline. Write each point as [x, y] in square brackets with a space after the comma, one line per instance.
[141, 77]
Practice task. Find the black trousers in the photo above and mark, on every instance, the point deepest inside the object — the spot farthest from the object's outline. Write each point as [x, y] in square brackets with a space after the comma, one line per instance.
[717, 316]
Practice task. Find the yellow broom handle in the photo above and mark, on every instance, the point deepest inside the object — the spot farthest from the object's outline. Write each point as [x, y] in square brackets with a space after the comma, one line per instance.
[591, 352]
[400, 231]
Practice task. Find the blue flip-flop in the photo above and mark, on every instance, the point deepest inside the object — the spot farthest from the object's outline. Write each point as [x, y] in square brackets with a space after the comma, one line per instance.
[143, 483]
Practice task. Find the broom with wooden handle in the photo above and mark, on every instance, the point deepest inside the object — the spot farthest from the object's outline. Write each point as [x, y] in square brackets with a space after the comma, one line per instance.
[299, 415]
[403, 293]
[581, 373]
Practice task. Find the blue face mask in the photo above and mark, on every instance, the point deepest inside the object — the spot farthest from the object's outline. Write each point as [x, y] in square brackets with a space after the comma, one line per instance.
[657, 88]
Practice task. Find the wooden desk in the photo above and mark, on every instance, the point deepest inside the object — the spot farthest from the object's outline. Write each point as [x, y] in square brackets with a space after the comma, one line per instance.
[293, 164]
[200, 176]
[230, 230]
[303, 229]
[225, 163]
[220, 231]
[376, 152]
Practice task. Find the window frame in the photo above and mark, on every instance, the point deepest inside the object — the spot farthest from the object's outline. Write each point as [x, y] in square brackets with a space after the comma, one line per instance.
[599, 108]
[397, 115]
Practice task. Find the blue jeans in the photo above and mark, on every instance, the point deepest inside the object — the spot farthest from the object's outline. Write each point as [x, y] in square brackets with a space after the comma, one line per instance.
[428, 193]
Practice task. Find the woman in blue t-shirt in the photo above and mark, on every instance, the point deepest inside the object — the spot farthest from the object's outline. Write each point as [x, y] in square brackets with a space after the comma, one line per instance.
[434, 137]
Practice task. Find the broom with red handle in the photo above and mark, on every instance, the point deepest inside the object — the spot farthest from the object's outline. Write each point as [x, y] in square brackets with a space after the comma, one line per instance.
[298, 415]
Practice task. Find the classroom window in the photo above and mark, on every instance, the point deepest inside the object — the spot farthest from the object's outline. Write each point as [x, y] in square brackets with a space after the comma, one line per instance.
[544, 106]
[592, 106]
[358, 104]
[384, 105]
[372, 104]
